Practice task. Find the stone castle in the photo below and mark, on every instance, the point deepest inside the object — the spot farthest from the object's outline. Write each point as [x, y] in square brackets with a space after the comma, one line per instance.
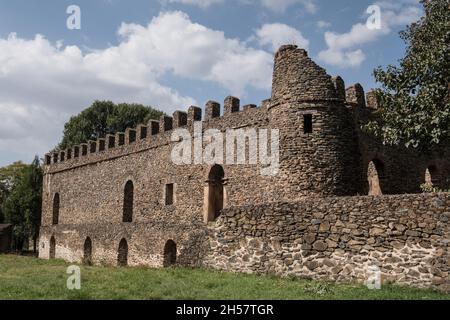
[341, 205]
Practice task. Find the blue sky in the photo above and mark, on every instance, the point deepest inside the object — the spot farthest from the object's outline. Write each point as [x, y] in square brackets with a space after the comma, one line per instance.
[171, 54]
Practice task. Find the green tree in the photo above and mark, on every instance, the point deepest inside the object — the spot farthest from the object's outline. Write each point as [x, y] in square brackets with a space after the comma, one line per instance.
[105, 117]
[23, 206]
[414, 98]
[9, 176]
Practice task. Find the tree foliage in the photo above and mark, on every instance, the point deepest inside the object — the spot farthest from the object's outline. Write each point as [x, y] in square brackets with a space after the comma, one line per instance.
[9, 177]
[102, 118]
[414, 98]
[23, 205]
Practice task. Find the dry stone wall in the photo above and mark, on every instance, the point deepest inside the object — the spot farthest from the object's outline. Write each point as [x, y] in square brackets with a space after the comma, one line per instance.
[406, 236]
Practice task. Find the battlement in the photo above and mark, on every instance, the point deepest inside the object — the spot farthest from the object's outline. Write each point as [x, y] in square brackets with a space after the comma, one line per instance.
[156, 133]
[297, 79]
[355, 97]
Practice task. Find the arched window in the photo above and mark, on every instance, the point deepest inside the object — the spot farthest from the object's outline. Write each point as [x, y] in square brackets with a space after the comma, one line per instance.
[52, 252]
[87, 256]
[215, 191]
[170, 253]
[432, 176]
[122, 256]
[128, 202]
[375, 174]
[56, 204]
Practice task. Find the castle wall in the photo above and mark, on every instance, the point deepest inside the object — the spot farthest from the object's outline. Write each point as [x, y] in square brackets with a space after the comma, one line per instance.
[297, 222]
[406, 236]
[91, 191]
[403, 169]
[145, 241]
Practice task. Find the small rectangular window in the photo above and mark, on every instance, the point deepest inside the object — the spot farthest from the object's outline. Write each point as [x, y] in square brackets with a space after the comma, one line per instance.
[169, 194]
[307, 123]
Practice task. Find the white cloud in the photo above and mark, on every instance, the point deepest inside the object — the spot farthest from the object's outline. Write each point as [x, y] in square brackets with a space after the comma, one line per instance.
[343, 59]
[282, 5]
[278, 6]
[199, 3]
[344, 48]
[172, 43]
[278, 34]
[323, 24]
[43, 83]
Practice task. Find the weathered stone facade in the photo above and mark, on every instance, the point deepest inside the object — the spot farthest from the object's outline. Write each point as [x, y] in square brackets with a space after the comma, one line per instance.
[339, 238]
[121, 200]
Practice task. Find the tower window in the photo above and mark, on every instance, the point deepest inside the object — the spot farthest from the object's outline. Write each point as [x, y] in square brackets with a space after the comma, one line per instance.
[307, 123]
[169, 194]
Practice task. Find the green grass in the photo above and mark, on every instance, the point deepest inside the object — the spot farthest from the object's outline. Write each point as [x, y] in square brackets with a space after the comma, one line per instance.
[31, 278]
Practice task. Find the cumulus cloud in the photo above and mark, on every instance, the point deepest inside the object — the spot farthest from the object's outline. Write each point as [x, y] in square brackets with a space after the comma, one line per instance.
[344, 48]
[278, 6]
[43, 83]
[199, 3]
[277, 34]
[282, 5]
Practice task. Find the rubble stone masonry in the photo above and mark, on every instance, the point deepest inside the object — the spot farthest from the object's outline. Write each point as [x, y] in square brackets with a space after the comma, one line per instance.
[406, 236]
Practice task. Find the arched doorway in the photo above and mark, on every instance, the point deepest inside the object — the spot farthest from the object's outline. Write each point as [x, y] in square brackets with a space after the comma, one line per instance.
[170, 253]
[52, 253]
[122, 256]
[87, 256]
[375, 174]
[128, 197]
[432, 176]
[56, 205]
[215, 193]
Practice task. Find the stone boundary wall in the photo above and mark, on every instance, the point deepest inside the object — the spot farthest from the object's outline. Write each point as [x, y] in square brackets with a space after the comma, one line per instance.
[406, 236]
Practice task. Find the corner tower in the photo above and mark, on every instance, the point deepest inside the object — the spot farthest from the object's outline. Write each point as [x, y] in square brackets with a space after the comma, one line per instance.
[318, 147]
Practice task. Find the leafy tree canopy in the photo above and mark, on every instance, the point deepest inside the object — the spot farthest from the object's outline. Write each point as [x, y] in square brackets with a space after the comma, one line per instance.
[9, 176]
[22, 207]
[102, 118]
[414, 104]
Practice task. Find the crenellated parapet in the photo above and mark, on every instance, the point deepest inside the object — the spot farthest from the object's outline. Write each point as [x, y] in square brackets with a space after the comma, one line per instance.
[212, 110]
[356, 98]
[372, 100]
[156, 133]
[180, 119]
[231, 105]
[165, 124]
[298, 82]
[339, 85]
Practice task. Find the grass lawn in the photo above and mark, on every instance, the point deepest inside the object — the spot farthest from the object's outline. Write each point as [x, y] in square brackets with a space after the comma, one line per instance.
[31, 278]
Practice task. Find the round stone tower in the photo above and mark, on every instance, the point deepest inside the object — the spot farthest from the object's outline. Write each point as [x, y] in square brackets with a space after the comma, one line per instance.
[318, 146]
